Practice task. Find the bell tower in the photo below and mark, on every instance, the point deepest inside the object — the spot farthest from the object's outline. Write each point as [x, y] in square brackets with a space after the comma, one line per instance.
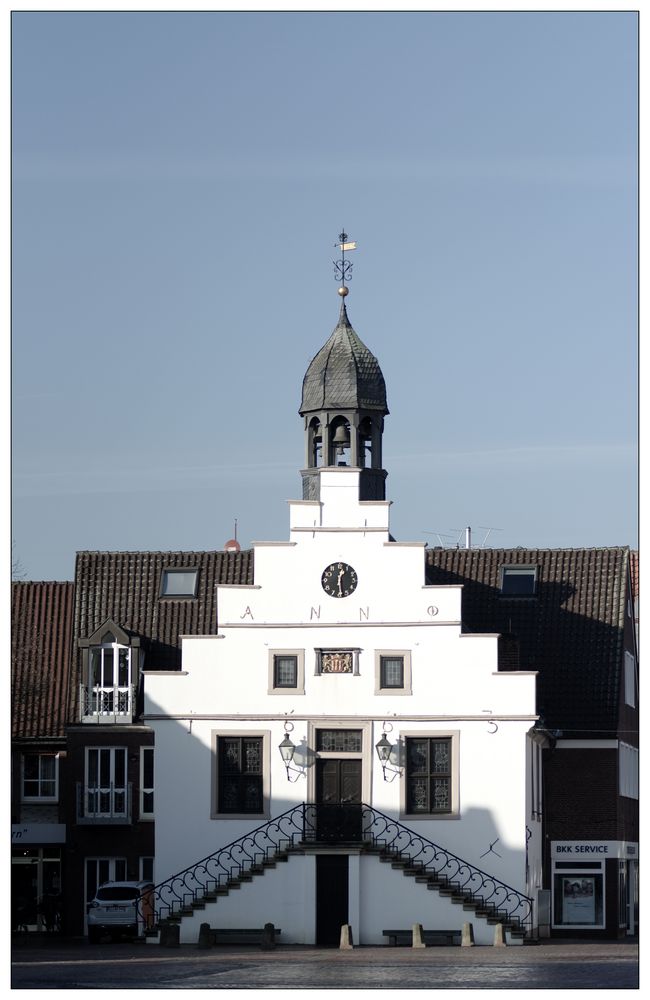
[344, 404]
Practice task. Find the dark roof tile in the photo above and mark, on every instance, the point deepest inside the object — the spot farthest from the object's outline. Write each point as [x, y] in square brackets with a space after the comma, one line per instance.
[571, 632]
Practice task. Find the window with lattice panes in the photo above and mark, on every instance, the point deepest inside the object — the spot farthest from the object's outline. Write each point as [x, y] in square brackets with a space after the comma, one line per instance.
[240, 774]
[428, 775]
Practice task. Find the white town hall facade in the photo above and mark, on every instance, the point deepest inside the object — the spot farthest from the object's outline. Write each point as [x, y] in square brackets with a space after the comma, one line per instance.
[340, 693]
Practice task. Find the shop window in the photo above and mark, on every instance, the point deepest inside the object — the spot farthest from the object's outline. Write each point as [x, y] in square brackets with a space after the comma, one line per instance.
[578, 894]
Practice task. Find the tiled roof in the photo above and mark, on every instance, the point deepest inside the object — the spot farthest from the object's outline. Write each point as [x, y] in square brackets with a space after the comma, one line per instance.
[634, 567]
[125, 587]
[571, 632]
[41, 642]
[344, 374]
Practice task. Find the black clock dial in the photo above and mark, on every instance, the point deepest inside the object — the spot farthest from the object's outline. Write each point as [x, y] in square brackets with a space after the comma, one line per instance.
[339, 580]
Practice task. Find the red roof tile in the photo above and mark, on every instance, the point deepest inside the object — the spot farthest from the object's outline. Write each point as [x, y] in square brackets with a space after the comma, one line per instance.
[41, 642]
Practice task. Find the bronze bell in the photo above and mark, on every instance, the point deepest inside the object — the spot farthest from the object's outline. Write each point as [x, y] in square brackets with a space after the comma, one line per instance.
[341, 439]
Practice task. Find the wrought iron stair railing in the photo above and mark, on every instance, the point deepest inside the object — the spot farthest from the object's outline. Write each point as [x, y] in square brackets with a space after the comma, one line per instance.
[443, 871]
[218, 873]
[309, 825]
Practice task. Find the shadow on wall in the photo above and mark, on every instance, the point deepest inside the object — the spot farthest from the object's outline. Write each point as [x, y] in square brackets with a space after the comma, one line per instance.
[187, 833]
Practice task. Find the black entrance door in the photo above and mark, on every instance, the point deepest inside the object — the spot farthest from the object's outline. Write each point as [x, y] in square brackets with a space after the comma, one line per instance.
[338, 800]
[331, 898]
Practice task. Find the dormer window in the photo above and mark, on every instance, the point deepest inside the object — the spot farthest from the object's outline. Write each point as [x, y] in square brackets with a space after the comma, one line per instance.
[179, 582]
[518, 581]
[109, 671]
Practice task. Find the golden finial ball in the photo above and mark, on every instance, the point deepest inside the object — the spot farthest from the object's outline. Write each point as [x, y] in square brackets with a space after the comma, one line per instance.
[343, 291]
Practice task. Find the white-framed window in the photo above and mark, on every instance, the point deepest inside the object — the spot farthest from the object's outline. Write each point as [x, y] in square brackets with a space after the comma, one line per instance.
[110, 684]
[146, 869]
[146, 783]
[286, 671]
[181, 582]
[40, 777]
[628, 771]
[100, 870]
[106, 788]
[629, 665]
[241, 774]
[518, 581]
[430, 780]
[393, 671]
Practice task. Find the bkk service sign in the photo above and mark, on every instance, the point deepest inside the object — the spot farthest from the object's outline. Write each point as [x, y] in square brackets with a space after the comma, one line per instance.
[598, 850]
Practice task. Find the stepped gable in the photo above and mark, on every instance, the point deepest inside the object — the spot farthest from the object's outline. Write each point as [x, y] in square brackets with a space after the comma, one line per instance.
[126, 586]
[571, 631]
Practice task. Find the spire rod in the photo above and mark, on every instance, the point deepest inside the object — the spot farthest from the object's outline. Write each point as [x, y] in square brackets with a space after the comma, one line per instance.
[343, 267]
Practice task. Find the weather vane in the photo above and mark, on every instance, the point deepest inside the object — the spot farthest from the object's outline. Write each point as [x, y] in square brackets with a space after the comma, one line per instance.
[343, 267]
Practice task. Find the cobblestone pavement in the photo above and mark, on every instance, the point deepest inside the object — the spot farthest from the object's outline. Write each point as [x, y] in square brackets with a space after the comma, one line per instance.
[553, 965]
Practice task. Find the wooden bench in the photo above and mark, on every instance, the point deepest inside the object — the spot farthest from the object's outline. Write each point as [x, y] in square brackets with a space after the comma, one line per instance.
[405, 937]
[239, 935]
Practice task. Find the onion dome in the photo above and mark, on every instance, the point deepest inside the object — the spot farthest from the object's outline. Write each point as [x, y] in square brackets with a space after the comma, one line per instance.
[344, 374]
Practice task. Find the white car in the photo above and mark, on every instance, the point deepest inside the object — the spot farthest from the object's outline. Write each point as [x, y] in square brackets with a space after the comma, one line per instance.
[120, 908]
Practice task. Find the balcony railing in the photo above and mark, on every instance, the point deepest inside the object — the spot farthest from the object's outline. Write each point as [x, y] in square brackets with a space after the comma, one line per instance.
[104, 804]
[107, 704]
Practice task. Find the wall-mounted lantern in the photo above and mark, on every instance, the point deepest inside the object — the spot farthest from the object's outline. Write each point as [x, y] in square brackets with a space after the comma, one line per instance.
[287, 750]
[384, 749]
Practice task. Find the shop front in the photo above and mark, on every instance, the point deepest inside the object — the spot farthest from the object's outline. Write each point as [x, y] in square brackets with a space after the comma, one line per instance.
[595, 887]
[36, 876]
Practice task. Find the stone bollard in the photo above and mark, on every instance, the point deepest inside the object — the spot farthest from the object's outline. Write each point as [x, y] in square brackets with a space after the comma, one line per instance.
[467, 940]
[417, 937]
[170, 936]
[499, 936]
[268, 937]
[346, 937]
[205, 936]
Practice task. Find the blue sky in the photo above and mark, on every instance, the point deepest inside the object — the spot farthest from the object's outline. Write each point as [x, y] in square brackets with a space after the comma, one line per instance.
[179, 180]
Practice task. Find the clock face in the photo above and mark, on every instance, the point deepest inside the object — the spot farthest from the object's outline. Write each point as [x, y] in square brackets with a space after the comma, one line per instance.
[339, 580]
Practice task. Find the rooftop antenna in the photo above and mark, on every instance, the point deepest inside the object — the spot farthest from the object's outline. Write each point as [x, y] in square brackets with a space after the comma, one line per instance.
[343, 267]
[489, 531]
[439, 535]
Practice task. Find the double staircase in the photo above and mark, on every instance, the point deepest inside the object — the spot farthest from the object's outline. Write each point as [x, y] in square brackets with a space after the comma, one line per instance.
[359, 826]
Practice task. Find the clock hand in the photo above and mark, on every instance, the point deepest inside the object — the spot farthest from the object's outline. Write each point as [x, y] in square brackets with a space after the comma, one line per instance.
[341, 572]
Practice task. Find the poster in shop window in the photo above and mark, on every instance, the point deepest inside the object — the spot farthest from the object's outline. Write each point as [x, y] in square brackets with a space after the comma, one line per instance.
[578, 900]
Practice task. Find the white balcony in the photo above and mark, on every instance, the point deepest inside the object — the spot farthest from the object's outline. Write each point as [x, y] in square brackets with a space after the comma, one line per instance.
[107, 704]
[104, 804]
